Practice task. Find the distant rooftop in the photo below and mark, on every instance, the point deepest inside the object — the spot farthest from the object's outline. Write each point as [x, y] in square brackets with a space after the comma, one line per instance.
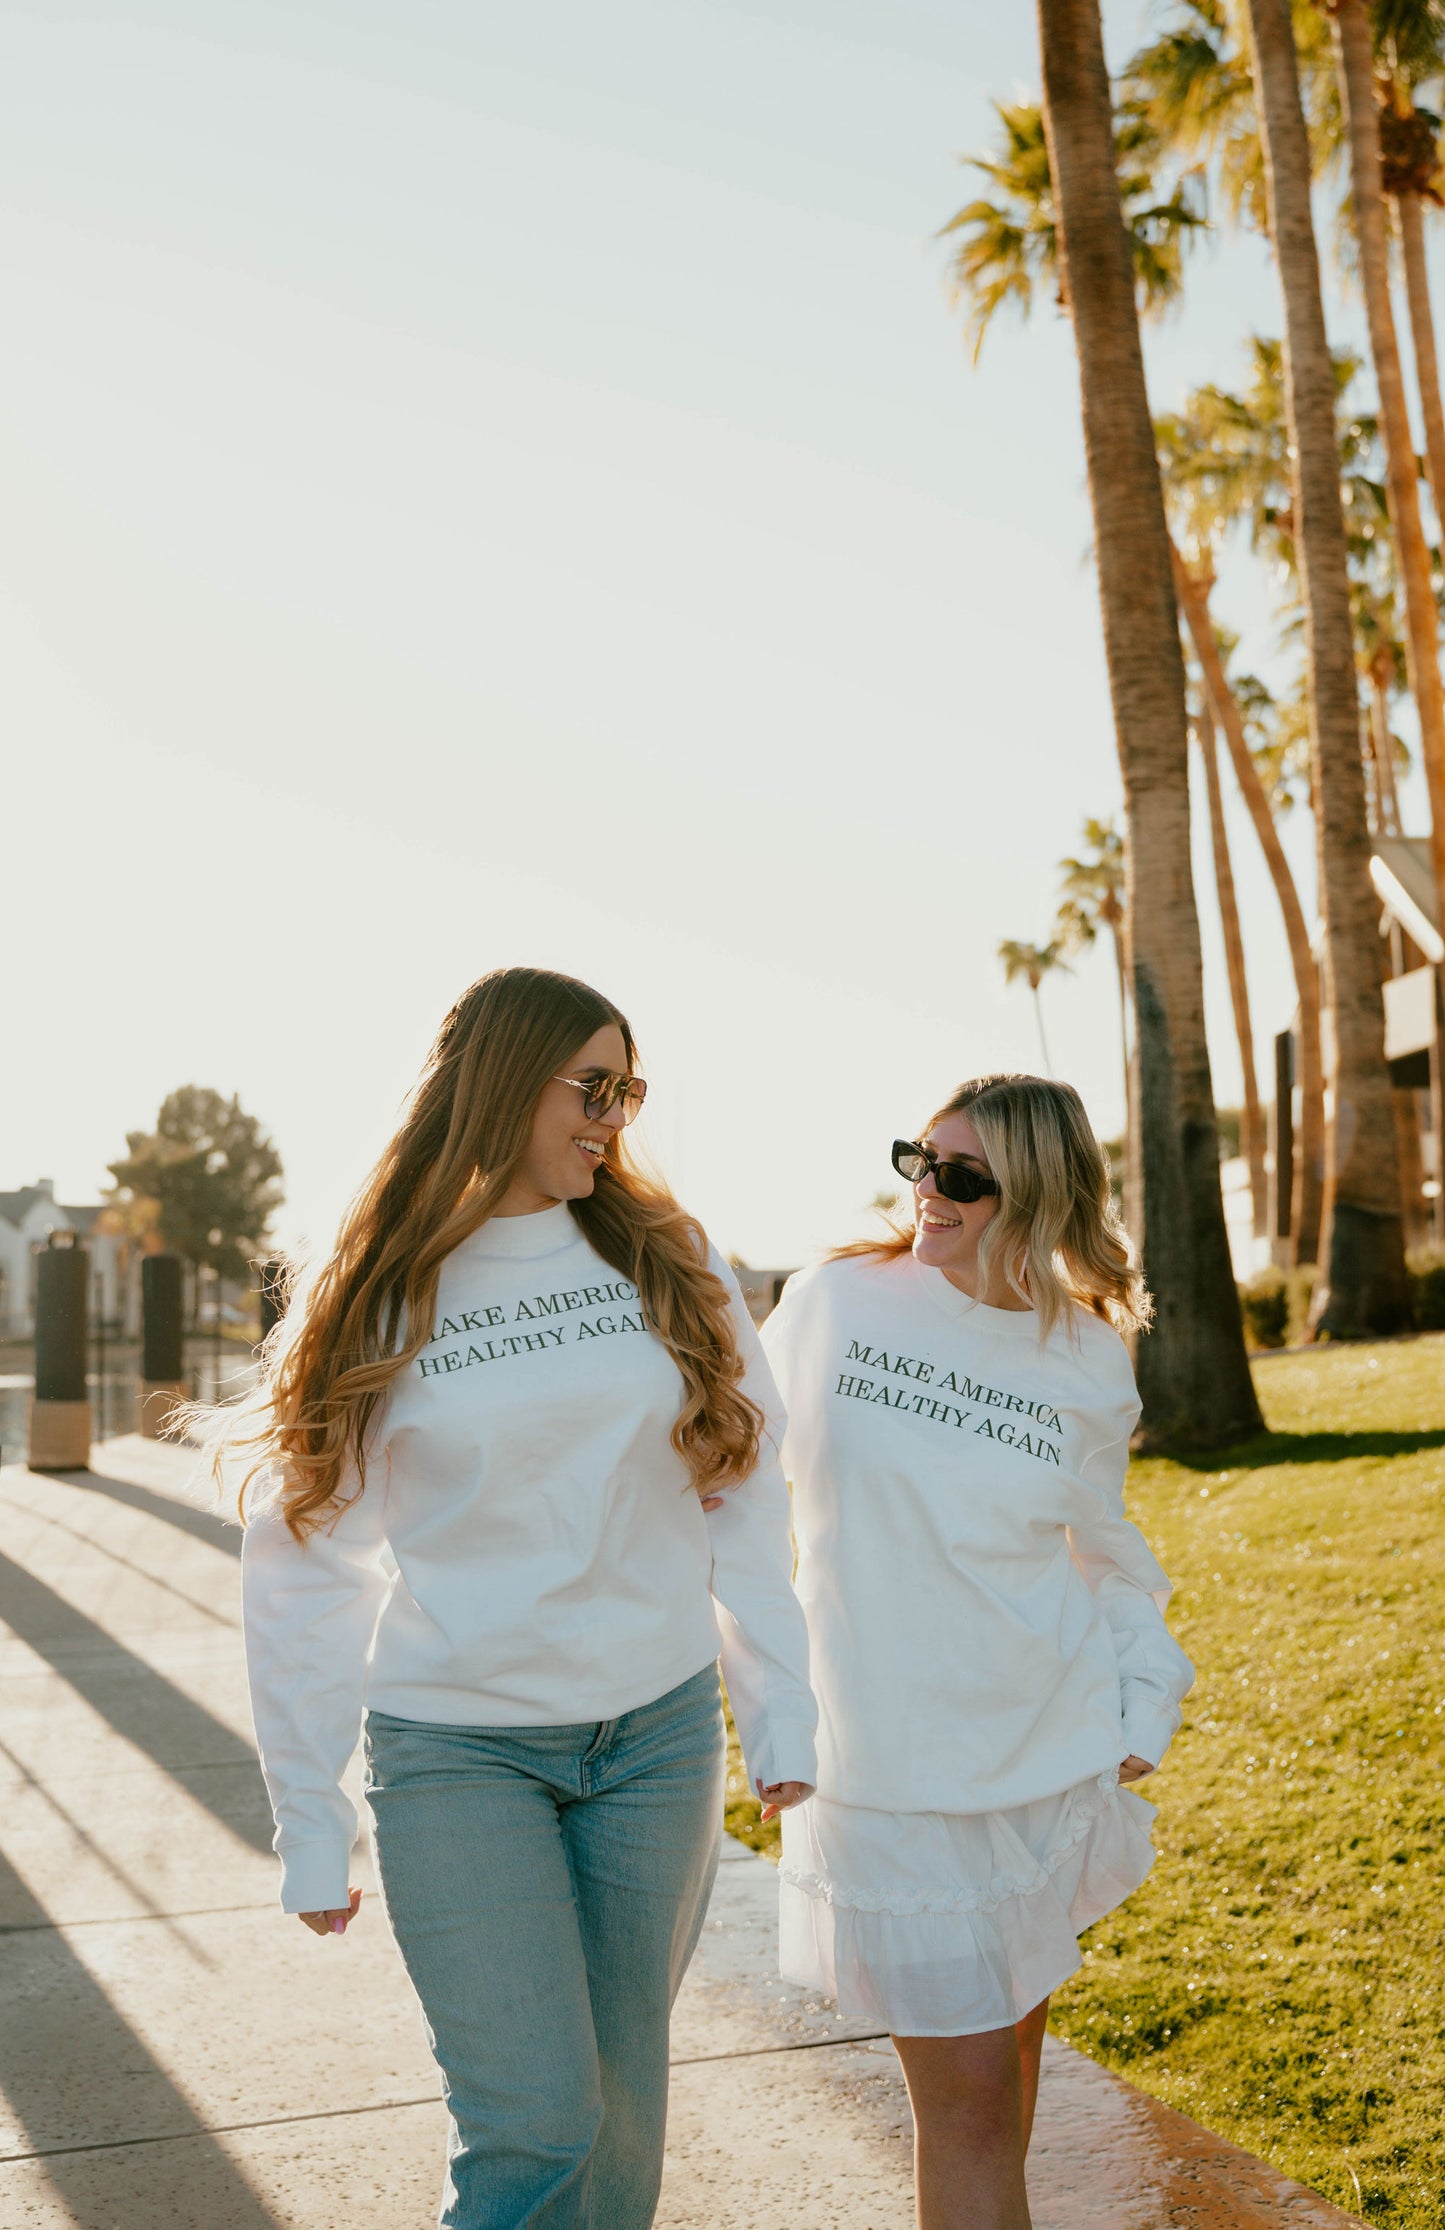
[1404, 876]
[16, 1206]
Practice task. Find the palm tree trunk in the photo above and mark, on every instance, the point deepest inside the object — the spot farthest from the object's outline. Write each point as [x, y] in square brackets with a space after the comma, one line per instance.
[1251, 1129]
[1309, 1161]
[1193, 1372]
[1384, 756]
[1119, 970]
[1362, 1286]
[1043, 1041]
[1354, 55]
[1422, 333]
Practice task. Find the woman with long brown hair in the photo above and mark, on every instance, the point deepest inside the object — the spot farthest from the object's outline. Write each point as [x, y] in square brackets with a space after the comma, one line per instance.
[989, 1649]
[479, 1460]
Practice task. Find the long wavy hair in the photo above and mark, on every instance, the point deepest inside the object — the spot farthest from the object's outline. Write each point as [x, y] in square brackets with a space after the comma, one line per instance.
[1056, 1232]
[368, 1310]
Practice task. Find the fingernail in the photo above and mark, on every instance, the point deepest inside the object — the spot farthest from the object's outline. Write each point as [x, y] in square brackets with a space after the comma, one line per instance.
[338, 1927]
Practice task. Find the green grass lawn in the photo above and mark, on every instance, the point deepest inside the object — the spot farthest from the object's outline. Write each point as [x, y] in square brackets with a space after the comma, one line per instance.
[1281, 1976]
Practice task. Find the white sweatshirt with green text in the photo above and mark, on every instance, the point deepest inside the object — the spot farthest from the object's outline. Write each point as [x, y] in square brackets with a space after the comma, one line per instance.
[986, 1625]
[525, 1549]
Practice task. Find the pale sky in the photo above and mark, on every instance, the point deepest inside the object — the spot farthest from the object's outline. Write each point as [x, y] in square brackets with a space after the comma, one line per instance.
[493, 484]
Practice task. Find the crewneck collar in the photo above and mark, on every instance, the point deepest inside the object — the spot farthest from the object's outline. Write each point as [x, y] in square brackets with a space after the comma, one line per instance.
[521, 1238]
[948, 1298]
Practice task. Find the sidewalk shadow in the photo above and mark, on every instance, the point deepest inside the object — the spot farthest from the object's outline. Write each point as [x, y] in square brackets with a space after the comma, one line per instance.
[1272, 1448]
[206, 1525]
[141, 1704]
[36, 2058]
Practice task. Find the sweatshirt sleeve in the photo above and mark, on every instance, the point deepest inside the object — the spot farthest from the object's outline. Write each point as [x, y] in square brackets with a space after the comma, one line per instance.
[764, 1637]
[1132, 1591]
[310, 1613]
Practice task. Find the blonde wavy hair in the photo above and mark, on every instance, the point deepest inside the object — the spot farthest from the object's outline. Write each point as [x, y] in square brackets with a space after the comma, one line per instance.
[368, 1310]
[1056, 1232]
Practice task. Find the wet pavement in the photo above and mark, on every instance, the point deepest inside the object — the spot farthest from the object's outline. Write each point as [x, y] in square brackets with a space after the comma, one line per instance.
[174, 2055]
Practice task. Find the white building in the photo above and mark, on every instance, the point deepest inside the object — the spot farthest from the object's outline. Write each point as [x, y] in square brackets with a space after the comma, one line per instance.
[27, 1218]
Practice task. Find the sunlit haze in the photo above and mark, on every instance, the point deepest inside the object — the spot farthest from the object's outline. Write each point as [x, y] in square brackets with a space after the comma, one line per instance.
[492, 484]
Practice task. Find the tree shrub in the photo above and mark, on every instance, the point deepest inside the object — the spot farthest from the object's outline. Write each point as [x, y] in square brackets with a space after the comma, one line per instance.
[1427, 1288]
[1265, 1302]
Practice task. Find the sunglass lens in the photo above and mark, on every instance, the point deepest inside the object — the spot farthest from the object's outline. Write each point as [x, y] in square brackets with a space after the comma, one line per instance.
[961, 1185]
[629, 1090]
[909, 1162]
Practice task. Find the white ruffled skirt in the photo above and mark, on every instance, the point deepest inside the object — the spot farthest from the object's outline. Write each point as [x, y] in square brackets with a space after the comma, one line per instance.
[953, 1923]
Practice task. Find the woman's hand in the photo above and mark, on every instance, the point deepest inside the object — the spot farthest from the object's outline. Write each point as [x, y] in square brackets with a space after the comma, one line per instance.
[781, 1797]
[1133, 1769]
[334, 1922]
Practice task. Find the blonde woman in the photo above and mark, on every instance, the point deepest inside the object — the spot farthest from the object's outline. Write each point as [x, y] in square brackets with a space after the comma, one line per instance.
[476, 1519]
[988, 1644]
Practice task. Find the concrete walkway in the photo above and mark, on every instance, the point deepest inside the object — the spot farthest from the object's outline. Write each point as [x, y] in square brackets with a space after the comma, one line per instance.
[176, 2056]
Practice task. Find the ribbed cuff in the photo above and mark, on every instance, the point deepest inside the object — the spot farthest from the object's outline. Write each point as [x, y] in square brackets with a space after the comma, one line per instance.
[787, 1754]
[315, 1877]
[1149, 1730]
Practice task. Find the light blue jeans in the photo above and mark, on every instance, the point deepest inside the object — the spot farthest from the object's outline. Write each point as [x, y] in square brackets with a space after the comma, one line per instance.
[546, 1886]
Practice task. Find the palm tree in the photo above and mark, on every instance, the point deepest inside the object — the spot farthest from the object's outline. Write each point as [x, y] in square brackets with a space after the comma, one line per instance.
[1193, 1372]
[1006, 245]
[1093, 898]
[1193, 90]
[1033, 963]
[1362, 1286]
[1219, 459]
[1410, 38]
[1251, 1126]
[1381, 657]
[1355, 57]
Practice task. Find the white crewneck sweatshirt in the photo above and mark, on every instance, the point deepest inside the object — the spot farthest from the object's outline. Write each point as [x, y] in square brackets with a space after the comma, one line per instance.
[526, 1549]
[986, 1625]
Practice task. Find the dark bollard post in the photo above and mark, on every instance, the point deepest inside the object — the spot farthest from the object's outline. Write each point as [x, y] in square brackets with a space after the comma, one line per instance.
[273, 1293]
[60, 1411]
[163, 1326]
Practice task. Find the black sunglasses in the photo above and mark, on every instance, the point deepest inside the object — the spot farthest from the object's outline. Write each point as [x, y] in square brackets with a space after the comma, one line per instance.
[954, 1179]
[600, 1094]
